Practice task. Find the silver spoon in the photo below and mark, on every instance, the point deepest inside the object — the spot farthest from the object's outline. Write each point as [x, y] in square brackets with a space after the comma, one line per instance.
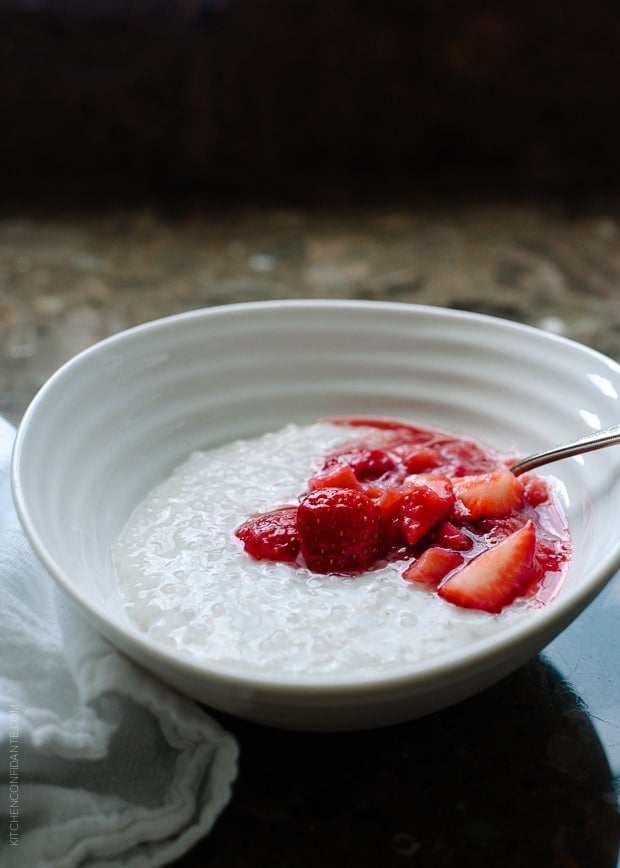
[604, 437]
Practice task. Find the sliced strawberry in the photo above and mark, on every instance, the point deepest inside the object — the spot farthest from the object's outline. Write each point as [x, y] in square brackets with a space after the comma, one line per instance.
[339, 530]
[411, 512]
[390, 498]
[367, 464]
[494, 530]
[487, 495]
[271, 535]
[450, 536]
[494, 578]
[337, 476]
[440, 484]
[417, 459]
[432, 566]
[535, 489]
[464, 457]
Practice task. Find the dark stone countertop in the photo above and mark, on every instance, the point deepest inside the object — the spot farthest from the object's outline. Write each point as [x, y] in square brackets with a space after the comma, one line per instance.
[71, 276]
[525, 773]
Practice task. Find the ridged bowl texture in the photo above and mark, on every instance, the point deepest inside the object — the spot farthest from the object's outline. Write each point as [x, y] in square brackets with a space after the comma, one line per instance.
[116, 419]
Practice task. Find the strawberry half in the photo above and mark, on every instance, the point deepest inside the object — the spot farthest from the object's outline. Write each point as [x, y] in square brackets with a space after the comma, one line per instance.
[271, 535]
[494, 578]
[487, 495]
[339, 530]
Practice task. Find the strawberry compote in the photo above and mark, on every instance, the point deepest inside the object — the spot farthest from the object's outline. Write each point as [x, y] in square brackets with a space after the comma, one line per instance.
[342, 546]
[449, 508]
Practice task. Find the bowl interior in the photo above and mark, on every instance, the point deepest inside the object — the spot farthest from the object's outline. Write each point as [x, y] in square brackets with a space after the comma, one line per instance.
[116, 419]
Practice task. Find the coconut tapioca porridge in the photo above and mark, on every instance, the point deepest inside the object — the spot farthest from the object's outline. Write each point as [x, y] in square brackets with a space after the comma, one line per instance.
[338, 547]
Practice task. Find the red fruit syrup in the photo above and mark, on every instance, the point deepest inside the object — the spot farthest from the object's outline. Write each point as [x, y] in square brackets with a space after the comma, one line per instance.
[445, 506]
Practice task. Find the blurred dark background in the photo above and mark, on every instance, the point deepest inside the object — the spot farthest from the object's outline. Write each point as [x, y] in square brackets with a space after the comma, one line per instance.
[320, 97]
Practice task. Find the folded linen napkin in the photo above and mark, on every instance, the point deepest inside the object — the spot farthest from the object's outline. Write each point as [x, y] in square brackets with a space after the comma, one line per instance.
[102, 764]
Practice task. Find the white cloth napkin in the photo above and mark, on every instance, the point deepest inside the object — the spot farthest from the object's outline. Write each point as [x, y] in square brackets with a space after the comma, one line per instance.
[102, 764]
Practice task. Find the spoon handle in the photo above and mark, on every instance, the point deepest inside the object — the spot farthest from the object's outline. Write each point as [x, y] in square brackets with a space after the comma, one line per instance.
[597, 440]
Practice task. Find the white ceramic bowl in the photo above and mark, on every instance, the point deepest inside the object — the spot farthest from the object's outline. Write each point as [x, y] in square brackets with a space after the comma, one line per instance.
[117, 418]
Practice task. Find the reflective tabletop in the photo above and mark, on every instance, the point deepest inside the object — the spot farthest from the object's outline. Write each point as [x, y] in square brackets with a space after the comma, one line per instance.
[525, 773]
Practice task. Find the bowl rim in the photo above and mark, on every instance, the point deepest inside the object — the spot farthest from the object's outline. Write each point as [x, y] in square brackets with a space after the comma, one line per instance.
[535, 629]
